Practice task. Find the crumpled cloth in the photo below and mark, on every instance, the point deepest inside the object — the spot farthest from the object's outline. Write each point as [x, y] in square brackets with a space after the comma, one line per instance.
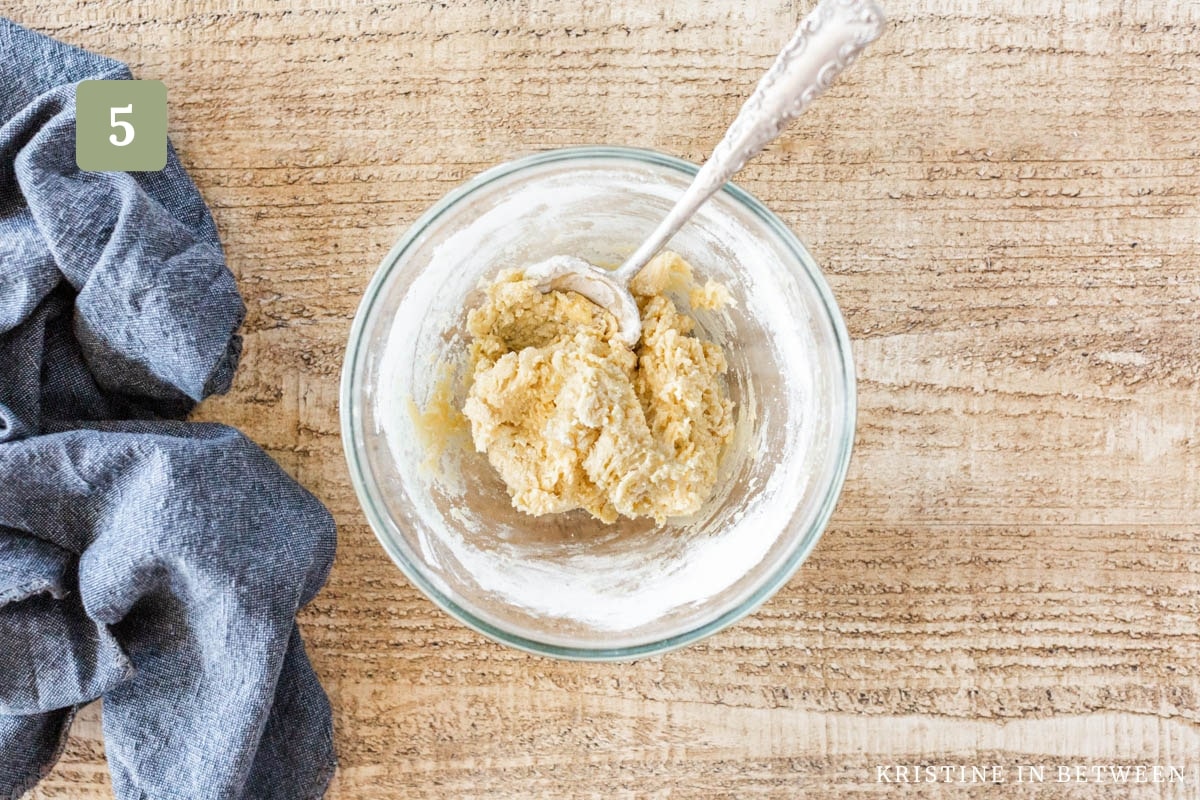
[152, 562]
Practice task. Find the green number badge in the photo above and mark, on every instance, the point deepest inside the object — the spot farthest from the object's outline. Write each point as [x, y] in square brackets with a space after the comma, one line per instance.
[121, 126]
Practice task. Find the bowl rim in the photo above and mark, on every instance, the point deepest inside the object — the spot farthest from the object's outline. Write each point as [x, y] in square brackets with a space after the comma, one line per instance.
[350, 414]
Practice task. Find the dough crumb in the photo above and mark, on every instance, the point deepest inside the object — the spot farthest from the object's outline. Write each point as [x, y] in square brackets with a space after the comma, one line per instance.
[571, 417]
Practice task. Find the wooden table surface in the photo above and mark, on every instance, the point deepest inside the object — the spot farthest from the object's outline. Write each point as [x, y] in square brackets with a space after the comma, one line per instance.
[1004, 198]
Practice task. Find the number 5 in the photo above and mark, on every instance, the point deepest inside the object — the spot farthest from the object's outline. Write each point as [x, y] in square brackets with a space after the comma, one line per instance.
[120, 123]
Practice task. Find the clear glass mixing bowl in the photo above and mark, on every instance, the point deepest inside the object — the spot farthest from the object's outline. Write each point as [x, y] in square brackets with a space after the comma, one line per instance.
[568, 585]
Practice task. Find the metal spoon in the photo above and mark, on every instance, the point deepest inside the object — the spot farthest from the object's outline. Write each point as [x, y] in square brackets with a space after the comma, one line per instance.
[827, 41]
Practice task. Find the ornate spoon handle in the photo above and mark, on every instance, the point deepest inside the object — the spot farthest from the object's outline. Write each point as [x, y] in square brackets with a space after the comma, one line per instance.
[827, 41]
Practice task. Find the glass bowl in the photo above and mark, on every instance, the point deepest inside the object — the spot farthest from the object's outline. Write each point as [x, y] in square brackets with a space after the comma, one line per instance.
[567, 585]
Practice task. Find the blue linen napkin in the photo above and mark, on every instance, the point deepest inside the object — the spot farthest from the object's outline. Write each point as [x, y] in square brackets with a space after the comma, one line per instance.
[155, 563]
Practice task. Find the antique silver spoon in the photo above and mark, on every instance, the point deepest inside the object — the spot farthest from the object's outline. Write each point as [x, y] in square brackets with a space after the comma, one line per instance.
[827, 41]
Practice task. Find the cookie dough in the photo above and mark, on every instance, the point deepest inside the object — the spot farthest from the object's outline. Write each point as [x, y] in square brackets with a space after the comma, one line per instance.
[571, 417]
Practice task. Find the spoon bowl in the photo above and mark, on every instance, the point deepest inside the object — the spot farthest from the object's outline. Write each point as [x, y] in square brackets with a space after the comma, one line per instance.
[603, 287]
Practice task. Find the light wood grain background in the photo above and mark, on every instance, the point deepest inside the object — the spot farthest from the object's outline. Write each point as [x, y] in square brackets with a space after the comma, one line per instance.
[1005, 198]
